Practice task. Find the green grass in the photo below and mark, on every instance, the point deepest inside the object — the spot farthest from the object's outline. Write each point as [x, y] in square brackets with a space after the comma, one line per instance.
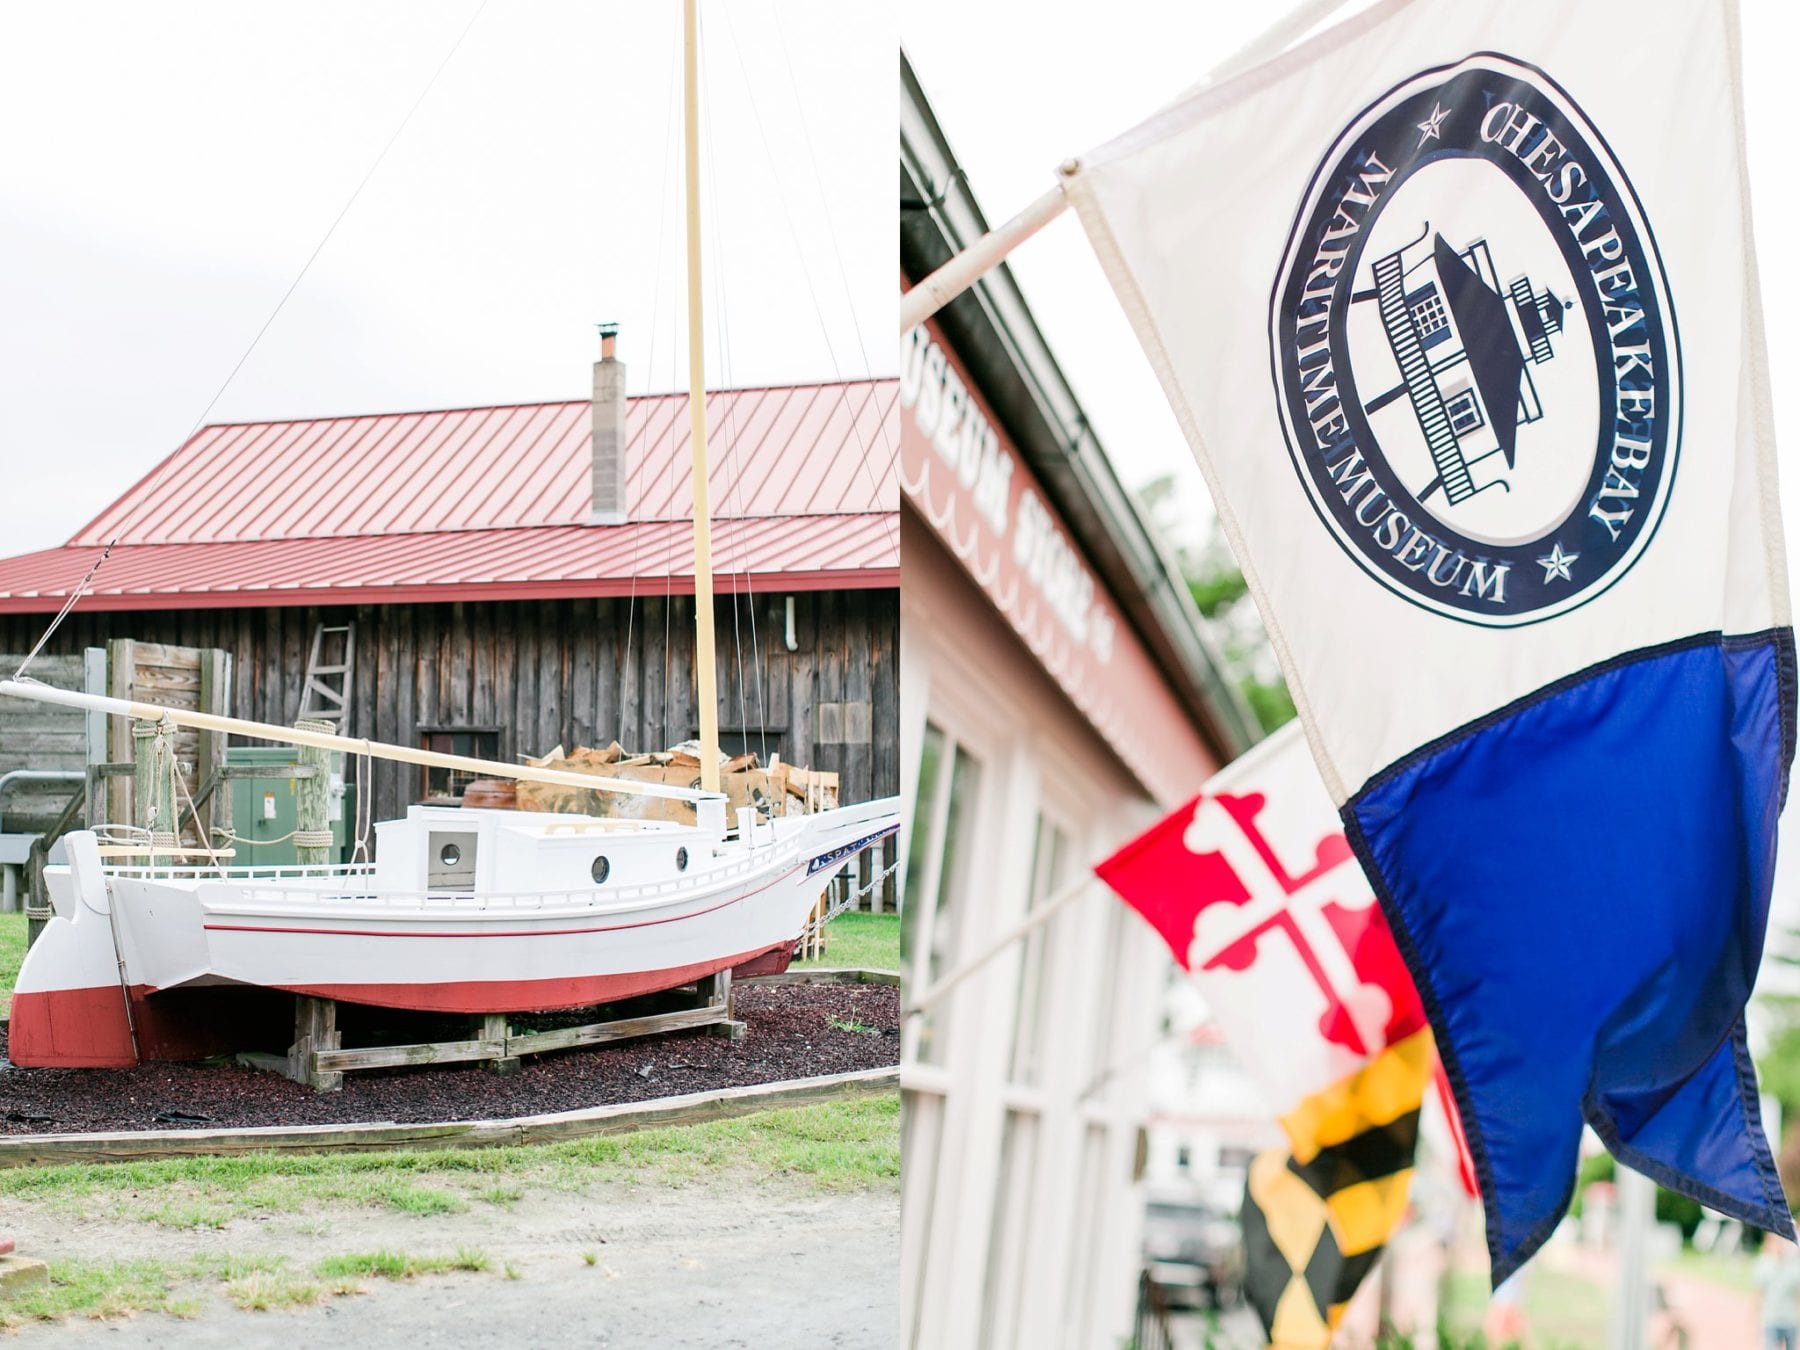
[188, 1214]
[844, 1145]
[858, 940]
[1733, 1272]
[12, 952]
[104, 1290]
[101, 1289]
[274, 1292]
[386, 1265]
[1562, 1310]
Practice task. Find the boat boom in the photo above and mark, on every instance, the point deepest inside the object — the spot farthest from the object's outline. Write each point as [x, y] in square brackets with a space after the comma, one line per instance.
[269, 731]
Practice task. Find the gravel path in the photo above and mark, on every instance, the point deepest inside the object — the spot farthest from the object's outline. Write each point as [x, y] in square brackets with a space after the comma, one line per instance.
[791, 1031]
[708, 1265]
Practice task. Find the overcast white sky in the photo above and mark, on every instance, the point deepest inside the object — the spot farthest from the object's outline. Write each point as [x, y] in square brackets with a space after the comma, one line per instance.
[167, 168]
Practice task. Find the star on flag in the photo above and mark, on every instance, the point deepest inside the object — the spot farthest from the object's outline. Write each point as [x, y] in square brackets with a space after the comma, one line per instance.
[1428, 129]
[1556, 564]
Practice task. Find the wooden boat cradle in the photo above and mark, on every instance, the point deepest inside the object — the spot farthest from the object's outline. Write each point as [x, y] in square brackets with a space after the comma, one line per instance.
[318, 1059]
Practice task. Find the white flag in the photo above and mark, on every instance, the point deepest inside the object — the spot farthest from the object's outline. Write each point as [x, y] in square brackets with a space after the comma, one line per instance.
[1456, 304]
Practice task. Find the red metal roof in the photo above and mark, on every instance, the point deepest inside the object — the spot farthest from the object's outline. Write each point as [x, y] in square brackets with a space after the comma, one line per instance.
[492, 503]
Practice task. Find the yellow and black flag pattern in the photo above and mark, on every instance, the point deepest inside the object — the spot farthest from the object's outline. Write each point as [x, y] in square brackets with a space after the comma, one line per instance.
[1315, 1218]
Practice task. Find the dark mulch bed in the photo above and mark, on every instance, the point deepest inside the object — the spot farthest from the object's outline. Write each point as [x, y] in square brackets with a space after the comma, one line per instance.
[788, 1034]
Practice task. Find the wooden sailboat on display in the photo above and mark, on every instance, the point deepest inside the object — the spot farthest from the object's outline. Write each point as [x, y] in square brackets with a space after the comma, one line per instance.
[465, 910]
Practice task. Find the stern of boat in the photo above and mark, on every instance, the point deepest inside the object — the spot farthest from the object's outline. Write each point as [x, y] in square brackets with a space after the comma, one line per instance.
[836, 836]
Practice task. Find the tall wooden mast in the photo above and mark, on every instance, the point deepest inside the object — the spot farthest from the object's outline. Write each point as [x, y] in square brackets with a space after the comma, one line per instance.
[706, 665]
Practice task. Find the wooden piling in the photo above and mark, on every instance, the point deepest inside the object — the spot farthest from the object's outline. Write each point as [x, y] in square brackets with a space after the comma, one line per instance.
[312, 826]
[495, 1028]
[153, 796]
[315, 1030]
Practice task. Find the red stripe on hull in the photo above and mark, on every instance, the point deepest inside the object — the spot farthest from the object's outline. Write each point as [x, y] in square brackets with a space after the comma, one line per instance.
[498, 932]
[492, 996]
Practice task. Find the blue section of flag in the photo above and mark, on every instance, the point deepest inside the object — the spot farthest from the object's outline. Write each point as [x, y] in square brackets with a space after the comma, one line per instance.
[1580, 883]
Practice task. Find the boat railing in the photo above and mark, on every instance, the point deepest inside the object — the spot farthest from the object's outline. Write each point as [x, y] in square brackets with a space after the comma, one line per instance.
[274, 871]
[600, 900]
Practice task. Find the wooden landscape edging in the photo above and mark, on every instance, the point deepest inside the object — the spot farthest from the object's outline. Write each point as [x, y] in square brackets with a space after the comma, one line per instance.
[37, 1150]
[833, 975]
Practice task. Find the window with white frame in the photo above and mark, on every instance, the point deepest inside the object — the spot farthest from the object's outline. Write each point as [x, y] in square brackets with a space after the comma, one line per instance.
[1049, 861]
[1011, 1242]
[932, 909]
[1104, 1062]
[936, 874]
[1091, 1184]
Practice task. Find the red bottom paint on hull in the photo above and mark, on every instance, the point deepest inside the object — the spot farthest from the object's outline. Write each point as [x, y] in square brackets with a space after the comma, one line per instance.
[88, 1029]
[70, 1029]
[771, 962]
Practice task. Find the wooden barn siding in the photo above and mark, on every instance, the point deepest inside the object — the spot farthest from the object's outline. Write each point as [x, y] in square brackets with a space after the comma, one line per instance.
[553, 672]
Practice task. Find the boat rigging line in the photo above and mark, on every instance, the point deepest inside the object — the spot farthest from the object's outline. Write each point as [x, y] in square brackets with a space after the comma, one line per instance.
[855, 415]
[626, 669]
[63, 613]
[143, 495]
[734, 490]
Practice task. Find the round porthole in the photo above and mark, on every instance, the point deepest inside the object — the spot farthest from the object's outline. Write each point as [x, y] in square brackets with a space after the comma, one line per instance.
[602, 870]
[681, 860]
[450, 855]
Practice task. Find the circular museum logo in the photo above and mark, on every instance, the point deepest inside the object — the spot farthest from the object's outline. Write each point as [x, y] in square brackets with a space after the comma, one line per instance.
[1474, 348]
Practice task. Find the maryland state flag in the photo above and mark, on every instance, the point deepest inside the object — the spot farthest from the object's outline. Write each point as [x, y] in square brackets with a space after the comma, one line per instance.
[1315, 1218]
[1255, 890]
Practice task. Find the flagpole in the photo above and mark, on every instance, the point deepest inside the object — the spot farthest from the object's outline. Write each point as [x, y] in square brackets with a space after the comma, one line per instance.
[980, 258]
[989, 251]
[1636, 1198]
[1058, 901]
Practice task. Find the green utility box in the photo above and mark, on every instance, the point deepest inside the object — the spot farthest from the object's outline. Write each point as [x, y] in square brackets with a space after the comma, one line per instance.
[264, 809]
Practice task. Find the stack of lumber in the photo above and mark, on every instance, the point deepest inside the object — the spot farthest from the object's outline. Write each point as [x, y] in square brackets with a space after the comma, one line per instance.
[778, 790]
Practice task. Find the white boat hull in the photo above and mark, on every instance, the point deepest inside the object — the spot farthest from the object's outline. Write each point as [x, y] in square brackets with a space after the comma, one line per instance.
[115, 977]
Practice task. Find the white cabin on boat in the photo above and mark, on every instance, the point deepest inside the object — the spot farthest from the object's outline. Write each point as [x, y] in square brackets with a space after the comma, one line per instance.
[438, 848]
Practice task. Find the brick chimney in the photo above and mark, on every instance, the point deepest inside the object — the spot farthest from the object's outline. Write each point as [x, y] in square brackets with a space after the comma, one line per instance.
[608, 455]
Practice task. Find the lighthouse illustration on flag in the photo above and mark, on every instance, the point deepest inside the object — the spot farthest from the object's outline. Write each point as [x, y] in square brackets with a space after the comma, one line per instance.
[1456, 303]
[1461, 346]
